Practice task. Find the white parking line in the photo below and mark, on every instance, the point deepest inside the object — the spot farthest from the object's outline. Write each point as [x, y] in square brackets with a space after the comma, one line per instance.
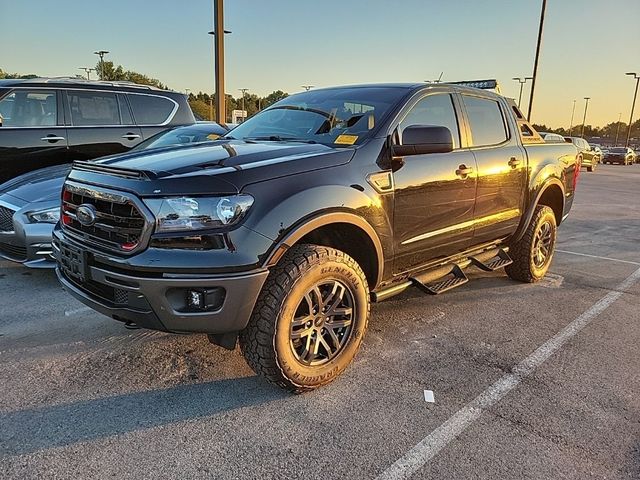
[76, 311]
[429, 446]
[598, 257]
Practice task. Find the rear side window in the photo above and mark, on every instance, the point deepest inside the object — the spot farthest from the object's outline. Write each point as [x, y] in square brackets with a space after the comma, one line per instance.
[93, 108]
[486, 121]
[434, 110]
[29, 108]
[150, 110]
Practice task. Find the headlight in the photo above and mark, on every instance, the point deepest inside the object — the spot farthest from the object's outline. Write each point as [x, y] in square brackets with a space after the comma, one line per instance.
[50, 215]
[179, 214]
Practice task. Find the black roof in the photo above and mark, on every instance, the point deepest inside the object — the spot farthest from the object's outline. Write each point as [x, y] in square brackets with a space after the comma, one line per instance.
[77, 83]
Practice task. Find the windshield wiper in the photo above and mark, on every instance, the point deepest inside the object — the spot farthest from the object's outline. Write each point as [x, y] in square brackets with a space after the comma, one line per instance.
[277, 138]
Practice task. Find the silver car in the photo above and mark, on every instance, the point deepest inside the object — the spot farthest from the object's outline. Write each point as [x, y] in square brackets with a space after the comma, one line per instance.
[30, 203]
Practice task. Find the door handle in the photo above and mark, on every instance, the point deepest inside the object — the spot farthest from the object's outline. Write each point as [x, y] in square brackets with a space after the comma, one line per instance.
[130, 136]
[514, 162]
[52, 138]
[463, 170]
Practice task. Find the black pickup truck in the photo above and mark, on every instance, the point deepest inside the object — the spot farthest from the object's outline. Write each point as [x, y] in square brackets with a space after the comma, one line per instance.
[283, 232]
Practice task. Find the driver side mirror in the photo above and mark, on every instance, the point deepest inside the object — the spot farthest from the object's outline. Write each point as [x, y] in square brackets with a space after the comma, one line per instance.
[423, 139]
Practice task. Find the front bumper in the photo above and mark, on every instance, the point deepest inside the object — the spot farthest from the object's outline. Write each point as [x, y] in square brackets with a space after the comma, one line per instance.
[28, 243]
[158, 302]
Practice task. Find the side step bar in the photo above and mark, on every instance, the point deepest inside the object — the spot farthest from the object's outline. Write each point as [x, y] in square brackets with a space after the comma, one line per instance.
[501, 260]
[454, 278]
[441, 278]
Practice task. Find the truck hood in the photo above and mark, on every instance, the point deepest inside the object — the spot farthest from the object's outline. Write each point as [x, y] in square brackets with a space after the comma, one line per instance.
[219, 167]
[37, 186]
[187, 159]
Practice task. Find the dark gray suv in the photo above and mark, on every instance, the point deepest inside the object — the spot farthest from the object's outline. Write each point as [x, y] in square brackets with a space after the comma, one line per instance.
[50, 121]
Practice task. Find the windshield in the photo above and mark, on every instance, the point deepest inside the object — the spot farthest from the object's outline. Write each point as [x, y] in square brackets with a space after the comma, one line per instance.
[619, 150]
[180, 135]
[335, 117]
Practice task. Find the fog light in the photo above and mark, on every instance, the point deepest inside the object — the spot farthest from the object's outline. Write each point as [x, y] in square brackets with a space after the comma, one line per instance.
[195, 299]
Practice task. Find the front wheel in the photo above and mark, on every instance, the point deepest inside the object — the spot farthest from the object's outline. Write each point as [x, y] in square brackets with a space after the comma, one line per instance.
[309, 318]
[533, 253]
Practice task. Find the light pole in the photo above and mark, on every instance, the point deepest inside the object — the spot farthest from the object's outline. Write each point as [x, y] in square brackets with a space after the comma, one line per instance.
[535, 63]
[584, 118]
[633, 105]
[307, 87]
[572, 113]
[87, 70]
[618, 129]
[101, 54]
[243, 90]
[522, 81]
[218, 26]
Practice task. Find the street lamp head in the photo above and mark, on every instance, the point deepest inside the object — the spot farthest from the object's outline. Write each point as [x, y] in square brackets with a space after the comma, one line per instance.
[101, 52]
[213, 33]
[587, 98]
[516, 78]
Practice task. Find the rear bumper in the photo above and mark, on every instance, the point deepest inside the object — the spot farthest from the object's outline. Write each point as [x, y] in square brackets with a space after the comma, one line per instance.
[160, 302]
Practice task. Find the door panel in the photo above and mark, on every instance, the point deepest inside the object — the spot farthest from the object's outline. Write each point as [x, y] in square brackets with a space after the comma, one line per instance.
[23, 150]
[501, 169]
[433, 213]
[32, 134]
[502, 178]
[97, 127]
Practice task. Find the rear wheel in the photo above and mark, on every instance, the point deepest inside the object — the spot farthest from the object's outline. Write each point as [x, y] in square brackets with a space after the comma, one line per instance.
[309, 319]
[533, 253]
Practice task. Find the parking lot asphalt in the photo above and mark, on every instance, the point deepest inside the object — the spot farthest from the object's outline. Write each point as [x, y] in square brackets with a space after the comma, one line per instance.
[530, 381]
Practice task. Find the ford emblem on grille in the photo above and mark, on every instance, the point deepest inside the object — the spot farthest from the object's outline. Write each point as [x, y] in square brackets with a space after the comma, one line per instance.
[86, 214]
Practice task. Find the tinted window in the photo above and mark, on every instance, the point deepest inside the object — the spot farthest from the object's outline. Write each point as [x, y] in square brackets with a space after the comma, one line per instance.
[93, 108]
[150, 110]
[339, 117]
[434, 110]
[125, 114]
[29, 108]
[486, 121]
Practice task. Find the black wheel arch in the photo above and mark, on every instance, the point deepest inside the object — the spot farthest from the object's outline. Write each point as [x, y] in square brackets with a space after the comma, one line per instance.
[342, 230]
[550, 193]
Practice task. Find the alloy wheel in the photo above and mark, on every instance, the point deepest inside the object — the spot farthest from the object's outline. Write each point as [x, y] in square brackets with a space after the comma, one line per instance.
[322, 323]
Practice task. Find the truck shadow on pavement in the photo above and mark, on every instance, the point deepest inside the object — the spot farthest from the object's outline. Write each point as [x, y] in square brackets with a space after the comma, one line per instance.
[28, 431]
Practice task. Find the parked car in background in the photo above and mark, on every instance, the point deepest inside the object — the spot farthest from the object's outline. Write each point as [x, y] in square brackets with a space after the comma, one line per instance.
[590, 158]
[552, 137]
[598, 152]
[52, 121]
[620, 156]
[30, 203]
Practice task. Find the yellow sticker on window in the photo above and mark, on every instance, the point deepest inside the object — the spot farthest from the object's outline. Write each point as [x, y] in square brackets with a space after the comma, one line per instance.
[213, 136]
[346, 139]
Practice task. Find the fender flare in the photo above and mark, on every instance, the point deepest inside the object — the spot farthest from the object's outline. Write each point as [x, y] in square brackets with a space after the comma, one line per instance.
[529, 214]
[320, 220]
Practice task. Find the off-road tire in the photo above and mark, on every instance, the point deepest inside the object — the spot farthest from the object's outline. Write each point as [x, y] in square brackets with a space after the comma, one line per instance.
[523, 252]
[266, 341]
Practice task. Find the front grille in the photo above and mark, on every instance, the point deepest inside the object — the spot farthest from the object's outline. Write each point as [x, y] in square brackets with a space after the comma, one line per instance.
[16, 252]
[6, 219]
[118, 226]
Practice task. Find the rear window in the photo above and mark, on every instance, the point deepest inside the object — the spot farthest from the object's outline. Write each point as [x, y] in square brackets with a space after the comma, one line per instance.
[150, 109]
[619, 150]
[486, 121]
[93, 108]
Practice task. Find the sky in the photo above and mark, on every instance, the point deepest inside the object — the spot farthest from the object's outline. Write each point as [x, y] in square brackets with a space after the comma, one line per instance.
[588, 45]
